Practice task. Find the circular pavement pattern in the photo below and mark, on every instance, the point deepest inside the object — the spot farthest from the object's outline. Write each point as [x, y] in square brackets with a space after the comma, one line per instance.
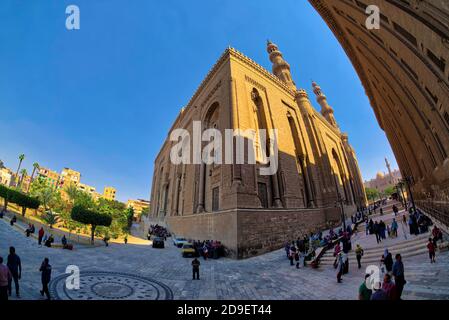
[100, 285]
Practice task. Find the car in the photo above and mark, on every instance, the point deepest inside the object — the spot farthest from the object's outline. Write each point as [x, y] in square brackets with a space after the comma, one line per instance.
[188, 250]
[179, 242]
[158, 243]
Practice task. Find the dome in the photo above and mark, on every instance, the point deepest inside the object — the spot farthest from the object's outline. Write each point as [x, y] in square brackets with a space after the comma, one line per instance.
[380, 175]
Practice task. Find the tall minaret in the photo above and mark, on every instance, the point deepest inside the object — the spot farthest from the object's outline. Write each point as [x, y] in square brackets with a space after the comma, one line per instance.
[389, 171]
[326, 109]
[281, 68]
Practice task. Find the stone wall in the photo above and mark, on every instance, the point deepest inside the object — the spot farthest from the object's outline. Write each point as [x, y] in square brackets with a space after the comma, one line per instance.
[251, 232]
[220, 226]
[263, 231]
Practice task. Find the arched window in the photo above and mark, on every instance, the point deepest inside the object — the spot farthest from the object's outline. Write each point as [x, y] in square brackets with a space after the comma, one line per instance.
[262, 124]
[300, 159]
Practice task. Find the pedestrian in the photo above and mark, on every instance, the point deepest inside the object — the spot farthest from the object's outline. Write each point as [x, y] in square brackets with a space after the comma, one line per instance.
[291, 255]
[366, 227]
[40, 236]
[15, 267]
[340, 266]
[64, 241]
[431, 248]
[45, 270]
[394, 228]
[196, 269]
[359, 254]
[364, 292]
[287, 249]
[387, 260]
[5, 278]
[398, 273]
[378, 292]
[297, 259]
[395, 210]
[377, 232]
[125, 239]
[389, 287]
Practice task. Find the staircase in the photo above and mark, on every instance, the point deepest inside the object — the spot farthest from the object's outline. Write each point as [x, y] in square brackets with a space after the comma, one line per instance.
[413, 246]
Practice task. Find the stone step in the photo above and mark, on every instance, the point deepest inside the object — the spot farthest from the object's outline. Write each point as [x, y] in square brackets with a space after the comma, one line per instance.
[373, 260]
[377, 255]
[404, 243]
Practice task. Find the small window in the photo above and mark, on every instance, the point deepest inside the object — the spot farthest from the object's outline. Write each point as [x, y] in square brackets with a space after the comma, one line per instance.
[405, 34]
[439, 62]
[215, 199]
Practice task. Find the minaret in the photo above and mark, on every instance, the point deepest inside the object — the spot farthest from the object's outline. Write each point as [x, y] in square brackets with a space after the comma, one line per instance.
[326, 109]
[281, 68]
[389, 170]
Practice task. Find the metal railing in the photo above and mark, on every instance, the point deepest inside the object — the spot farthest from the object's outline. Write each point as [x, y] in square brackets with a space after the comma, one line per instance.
[438, 209]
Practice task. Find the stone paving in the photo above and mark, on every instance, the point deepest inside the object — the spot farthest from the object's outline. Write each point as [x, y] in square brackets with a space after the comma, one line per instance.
[140, 272]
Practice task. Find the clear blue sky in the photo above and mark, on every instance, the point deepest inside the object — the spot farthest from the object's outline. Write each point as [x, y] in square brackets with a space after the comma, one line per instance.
[101, 99]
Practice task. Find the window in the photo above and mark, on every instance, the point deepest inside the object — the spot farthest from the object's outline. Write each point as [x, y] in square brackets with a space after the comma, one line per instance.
[409, 69]
[263, 194]
[215, 199]
[405, 34]
[446, 117]
[439, 62]
[434, 97]
[361, 4]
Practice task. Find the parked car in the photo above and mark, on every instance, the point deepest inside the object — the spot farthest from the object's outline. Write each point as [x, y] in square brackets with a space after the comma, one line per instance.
[188, 250]
[179, 242]
[158, 243]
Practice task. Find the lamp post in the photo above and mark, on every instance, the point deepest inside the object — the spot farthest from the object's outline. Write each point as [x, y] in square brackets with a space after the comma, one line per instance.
[409, 180]
[340, 202]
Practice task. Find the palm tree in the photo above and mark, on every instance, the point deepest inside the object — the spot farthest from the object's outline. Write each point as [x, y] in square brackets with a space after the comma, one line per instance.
[21, 158]
[23, 173]
[35, 168]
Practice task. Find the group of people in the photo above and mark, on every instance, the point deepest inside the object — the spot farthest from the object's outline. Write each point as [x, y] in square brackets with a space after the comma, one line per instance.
[297, 251]
[379, 229]
[158, 231]
[12, 271]
[418, 222]
[208, 249]
[392, 284]
[30, 230]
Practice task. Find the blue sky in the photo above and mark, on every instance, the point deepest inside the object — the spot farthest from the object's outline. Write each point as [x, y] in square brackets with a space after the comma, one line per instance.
[101, 99]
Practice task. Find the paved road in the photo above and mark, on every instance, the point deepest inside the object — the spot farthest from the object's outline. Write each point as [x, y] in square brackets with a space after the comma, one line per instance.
[164, 274]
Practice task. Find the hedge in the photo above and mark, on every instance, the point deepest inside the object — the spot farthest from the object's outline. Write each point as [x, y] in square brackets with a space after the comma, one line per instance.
[19, 198]
[91, 217]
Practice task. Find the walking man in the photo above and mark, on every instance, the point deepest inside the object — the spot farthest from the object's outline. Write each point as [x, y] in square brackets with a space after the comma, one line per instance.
[45, 270]
[398, 273]
[5, 278]
[40, 236]
[196, 269]
[15, 267]
[431, 248]
[359, 254]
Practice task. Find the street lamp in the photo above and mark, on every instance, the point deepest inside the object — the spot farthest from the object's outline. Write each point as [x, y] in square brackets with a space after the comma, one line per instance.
[340, 201]
[408, 181]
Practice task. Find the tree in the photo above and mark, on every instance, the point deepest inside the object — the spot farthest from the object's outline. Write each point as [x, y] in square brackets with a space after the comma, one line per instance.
[35, 167]
[389, 191]
[21, 158]
[371, 193]
[90, 217]
[23, 200]
[50, 218]
[23, 174]
[4, 193]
